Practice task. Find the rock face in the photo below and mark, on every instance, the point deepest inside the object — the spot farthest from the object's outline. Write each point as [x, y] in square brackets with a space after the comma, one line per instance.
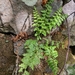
[72, 35]
[7, 57]
[56, 5]
[6, 10]
[17, 11]
[69, 9]
[23, 21]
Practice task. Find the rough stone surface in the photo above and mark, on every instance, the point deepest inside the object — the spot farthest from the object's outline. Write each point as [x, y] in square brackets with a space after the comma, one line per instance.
[19, 47]
[16, 11]
[6, 11]
[56, 5]
[72, 35]
[23, 21]
[69, 9]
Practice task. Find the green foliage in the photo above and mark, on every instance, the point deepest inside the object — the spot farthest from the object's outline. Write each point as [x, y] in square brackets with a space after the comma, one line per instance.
[32, 56]
[35, 51]
[44, 23]
[51, 53]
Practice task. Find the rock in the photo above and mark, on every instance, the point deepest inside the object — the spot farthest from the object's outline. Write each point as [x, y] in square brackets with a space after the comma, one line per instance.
[69, 9]
[19, 47]
[7, 29]
[23, 21]
[38, 5]
[63, 72]
[72, 35]
[71, 70]
[21, 11]
[6, 10]
[29, 2]
[55, 5]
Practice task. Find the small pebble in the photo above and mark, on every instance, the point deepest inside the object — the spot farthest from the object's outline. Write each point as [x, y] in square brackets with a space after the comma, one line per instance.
[7, 41]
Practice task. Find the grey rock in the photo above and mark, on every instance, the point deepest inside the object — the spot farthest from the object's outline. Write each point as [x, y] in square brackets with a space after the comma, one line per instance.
[68, 9]
[19, 47]
[72, 35]
[55, 5]
[7, 29]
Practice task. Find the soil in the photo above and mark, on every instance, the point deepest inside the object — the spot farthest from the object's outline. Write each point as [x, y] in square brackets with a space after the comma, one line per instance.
[7, 57]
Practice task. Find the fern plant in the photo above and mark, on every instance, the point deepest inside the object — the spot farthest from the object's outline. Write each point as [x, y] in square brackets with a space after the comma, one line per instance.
[35, 51]
[32, 56]
[51, 53]
[44, 23]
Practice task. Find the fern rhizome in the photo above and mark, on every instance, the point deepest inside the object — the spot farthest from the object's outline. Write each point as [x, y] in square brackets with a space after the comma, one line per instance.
[43, 24]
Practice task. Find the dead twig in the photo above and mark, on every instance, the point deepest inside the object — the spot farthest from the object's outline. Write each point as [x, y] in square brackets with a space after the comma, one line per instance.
[15, 71]
[67, 53]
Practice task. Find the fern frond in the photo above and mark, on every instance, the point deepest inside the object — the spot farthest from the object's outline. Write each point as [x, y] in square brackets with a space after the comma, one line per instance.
[32, 57]
[44, 23]
[39, 25]
[51, 53]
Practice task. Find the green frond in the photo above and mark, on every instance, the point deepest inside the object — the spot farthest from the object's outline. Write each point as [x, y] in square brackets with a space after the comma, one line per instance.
[43, 24]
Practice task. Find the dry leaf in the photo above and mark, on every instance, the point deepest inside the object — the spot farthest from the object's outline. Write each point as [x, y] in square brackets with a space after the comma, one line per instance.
[65, 43]
[21, 35]
[44, 2]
